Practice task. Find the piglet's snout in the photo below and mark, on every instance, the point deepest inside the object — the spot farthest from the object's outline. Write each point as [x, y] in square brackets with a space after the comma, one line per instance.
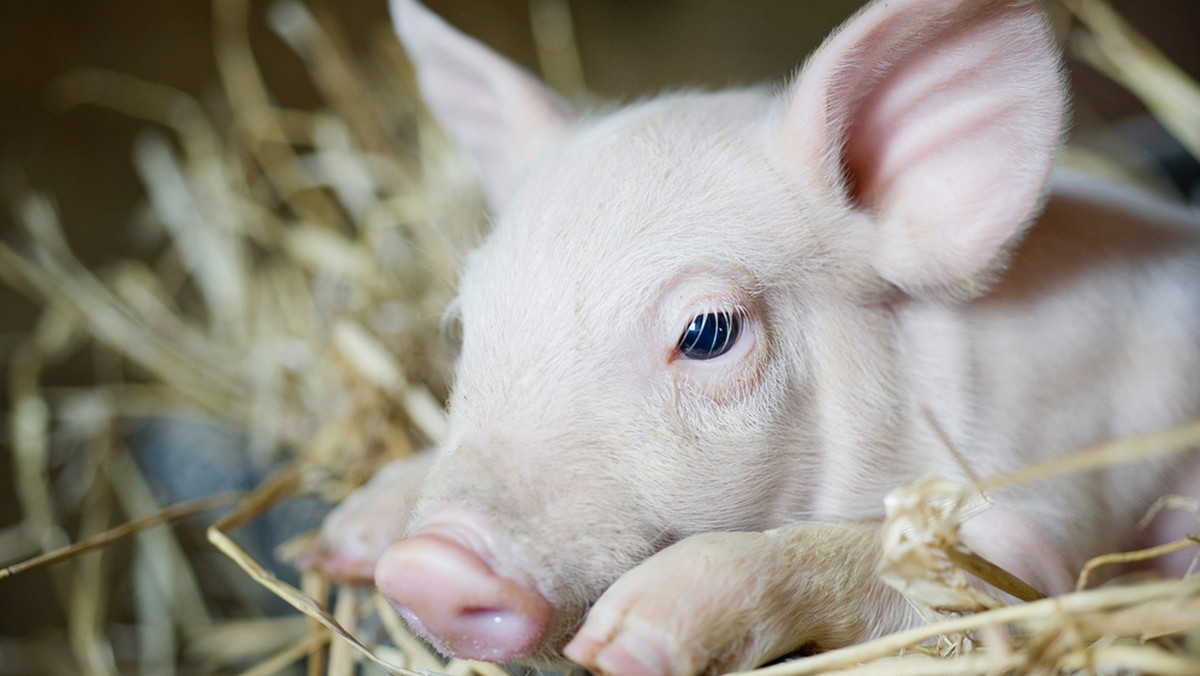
[450, 594]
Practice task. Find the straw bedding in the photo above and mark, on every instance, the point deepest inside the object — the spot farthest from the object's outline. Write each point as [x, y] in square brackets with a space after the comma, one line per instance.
[291, 315]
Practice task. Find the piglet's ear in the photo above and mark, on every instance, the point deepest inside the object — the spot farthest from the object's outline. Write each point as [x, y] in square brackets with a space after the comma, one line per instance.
[497, 112]
[941, 118]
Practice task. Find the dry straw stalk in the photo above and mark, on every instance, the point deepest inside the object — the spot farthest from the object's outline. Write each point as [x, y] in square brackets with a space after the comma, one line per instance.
[305, 259]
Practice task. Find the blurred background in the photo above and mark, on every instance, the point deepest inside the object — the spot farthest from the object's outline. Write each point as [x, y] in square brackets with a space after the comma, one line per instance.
[627, 48]
[80, 155]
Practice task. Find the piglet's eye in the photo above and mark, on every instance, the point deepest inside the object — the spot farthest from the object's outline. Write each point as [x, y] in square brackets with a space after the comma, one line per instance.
[710, 335]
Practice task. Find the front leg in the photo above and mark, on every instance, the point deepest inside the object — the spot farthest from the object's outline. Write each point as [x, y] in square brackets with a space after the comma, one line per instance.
[719, 602]
[356, 533]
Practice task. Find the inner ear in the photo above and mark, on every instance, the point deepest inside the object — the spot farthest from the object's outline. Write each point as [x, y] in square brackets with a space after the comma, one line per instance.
[938, 118]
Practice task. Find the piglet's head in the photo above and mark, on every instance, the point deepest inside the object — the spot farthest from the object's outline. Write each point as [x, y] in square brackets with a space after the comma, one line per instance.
[678, 322]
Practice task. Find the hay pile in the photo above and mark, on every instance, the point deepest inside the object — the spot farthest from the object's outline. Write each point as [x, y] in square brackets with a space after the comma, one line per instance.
[304, 258]
[302, 262]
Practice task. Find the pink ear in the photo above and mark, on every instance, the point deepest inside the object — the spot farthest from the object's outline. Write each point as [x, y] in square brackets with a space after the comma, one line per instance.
[942, 119]
[499, 113]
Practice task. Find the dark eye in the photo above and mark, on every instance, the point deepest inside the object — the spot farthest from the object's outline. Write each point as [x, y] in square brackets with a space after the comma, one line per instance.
[710, 335]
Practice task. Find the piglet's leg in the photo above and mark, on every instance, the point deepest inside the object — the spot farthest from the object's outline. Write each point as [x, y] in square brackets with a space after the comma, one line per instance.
[720, 602]
[356, 532]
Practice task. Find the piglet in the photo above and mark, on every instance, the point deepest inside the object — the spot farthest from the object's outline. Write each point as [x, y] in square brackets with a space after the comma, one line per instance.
[710, 331]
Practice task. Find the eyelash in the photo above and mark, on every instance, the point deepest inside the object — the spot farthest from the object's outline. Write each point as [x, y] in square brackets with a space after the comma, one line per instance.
[710, 335]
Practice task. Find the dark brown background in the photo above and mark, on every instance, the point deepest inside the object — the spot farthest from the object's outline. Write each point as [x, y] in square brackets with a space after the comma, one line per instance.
[629, 47]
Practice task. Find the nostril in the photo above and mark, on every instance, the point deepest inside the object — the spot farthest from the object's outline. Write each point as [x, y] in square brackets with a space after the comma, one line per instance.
[500, 626]
[495, 615]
